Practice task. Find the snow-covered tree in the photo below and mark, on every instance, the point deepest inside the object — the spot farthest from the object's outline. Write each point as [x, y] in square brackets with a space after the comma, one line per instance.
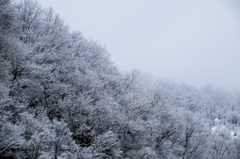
[106, 146]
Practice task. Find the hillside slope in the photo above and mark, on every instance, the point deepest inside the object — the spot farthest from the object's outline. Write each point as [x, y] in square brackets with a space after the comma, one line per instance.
[61, 97]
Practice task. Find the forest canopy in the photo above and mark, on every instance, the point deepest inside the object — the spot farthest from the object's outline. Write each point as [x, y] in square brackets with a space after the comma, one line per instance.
[62, 97]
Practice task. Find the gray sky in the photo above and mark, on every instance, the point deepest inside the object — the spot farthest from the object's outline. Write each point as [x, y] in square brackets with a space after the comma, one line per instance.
[195, 42]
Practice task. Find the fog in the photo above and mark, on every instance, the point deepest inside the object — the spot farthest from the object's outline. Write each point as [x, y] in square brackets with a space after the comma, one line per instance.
[195, 42]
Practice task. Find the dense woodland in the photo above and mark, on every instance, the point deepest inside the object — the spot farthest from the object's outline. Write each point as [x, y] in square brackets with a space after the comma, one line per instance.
[61, 97]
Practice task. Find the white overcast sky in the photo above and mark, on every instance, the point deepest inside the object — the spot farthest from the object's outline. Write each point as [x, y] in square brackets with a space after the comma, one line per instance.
[190, 41]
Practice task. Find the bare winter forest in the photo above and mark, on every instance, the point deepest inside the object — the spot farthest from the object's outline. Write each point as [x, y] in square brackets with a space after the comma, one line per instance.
[61, 97]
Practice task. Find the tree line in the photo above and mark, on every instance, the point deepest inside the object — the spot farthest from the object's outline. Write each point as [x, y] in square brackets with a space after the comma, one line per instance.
[61, 97]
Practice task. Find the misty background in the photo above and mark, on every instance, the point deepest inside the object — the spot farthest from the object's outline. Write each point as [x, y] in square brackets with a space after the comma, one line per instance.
[195, 42]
